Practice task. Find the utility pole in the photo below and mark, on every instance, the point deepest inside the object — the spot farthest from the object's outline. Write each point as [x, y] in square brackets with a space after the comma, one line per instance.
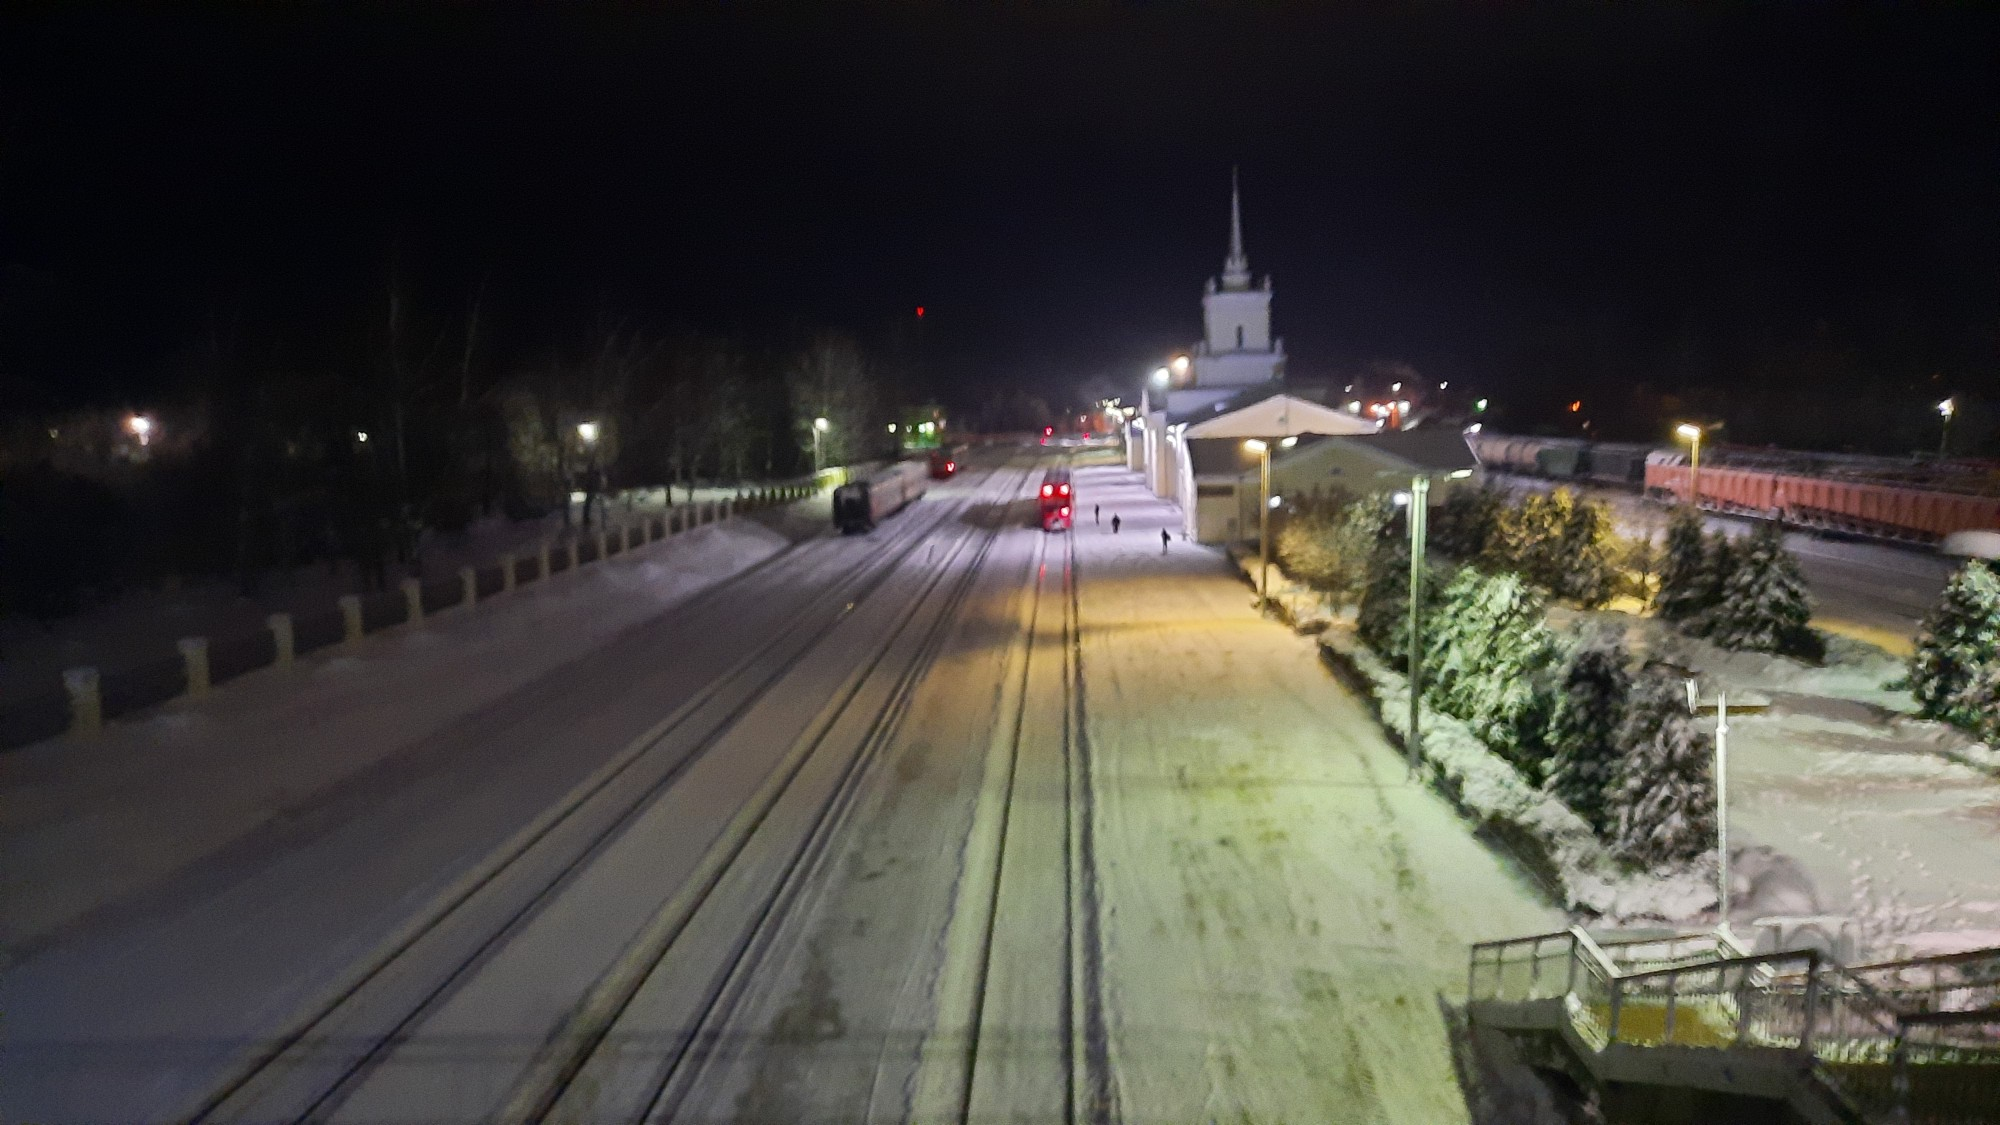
[1419, 518]
[1721, 798]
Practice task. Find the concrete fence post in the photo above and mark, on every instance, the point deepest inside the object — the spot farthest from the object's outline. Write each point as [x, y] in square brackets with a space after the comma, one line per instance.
[631, 539]
[194, 653]
[350, 617]
[86, 700]
[282, 644]
[571, 547]
[413, 601]
[506, 573]
[542, 561]
[468, 581]
[602, 540]
[729, 509]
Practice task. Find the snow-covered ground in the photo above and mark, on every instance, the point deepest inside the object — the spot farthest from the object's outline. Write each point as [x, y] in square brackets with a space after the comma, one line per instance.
[1896, 820]
[143, 624]
[83, 824]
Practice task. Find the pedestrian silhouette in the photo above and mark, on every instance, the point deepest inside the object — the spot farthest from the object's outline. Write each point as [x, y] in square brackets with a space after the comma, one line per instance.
[1096, 513]
[1164, 540]
[1114, 523]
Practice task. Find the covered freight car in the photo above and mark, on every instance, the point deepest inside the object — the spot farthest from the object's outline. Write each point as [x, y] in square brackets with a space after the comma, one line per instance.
[860, 505]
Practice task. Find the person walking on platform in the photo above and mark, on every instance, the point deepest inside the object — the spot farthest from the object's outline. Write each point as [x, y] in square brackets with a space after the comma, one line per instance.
[1165, 539]
[1114, 523]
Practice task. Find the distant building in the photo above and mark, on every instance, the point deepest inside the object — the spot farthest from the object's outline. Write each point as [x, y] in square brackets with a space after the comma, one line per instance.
[1222, 391]
[1320, 467]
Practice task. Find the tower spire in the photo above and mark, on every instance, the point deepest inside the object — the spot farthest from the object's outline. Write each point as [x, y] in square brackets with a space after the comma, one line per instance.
[1236, 267]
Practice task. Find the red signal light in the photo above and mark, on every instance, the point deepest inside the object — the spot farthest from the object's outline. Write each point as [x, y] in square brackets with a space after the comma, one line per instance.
[920, 312]
[951, 466]
[1086, 435]
[1048, 430]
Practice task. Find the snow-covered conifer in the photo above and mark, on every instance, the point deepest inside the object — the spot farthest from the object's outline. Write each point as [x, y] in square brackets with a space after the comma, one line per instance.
[1958, 645]
[1489, 659]
[1763, 605]
[1583, 735]
[1664, 803]
[1683, 568]
[1583, 564]
[1465, 521]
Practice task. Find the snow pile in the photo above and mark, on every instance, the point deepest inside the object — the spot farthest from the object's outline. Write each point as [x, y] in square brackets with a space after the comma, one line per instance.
[1544, 834]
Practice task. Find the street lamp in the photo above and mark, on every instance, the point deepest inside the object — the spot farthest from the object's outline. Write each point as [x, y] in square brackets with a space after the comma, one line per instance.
[820, 426]
[1418, 500]
[1946, 410]
[1180, 365]
[141, 427]
[588, 432]
[1263, 452]
[1721, 796]
[1161, 377]
[1692, 433]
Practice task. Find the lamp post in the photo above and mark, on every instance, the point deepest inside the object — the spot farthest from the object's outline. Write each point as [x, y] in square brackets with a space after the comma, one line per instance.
[1693, 434]
[1263, 451]
[1419, 519]
[820, 426]
[1721, 798]
[587, 432]
[1946, 410]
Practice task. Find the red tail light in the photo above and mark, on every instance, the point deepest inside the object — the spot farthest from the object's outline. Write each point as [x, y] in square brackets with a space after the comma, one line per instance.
[1065, 513]
[1048, 490]
[1064, 489]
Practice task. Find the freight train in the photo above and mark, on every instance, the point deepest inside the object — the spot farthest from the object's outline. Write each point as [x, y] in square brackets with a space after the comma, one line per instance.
[860, 505]
[1876, 497]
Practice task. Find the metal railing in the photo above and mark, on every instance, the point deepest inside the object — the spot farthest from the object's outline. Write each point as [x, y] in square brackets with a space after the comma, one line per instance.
[1886, 1038]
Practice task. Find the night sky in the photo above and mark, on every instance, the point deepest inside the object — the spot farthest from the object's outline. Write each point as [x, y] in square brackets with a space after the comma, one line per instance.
[1544, 204]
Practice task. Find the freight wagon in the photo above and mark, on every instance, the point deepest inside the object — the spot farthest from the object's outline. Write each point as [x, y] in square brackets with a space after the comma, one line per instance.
[860, 505]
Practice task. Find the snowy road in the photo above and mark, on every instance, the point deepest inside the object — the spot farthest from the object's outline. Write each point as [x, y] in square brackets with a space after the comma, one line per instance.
[954, 822]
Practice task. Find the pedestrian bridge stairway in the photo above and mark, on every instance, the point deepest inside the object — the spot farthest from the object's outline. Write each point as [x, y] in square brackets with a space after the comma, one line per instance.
[1906, 1042]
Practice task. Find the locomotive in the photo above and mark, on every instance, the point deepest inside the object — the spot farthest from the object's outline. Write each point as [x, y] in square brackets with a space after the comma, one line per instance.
[1057, 500]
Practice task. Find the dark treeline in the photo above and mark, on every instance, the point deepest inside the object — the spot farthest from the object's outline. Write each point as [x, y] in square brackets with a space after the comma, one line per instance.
[252, 461]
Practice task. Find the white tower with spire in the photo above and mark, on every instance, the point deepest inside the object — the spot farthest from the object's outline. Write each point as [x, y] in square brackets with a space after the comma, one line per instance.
[1237, 349]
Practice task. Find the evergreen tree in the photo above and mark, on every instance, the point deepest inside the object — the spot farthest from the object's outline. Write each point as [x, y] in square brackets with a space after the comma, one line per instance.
[1527, 539]
[1979, 701]
[1583, 735]
[1465, 521]
[1664, 803]
[1958, 646]
[1763, 604]
[1488, 660]
[1718, 563]
[1683, 568]
[1585, 570]
[1384, 620]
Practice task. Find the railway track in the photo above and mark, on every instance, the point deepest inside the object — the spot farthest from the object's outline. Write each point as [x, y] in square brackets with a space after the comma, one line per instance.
[309, 1072]
[986, 1068]
[578, 1076]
